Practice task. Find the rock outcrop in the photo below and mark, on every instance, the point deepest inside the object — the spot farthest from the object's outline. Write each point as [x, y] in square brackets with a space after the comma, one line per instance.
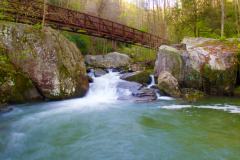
[136, 92]
[142, 77]
[206, 65]
[111, 60]
[168, 84]
[49, 64]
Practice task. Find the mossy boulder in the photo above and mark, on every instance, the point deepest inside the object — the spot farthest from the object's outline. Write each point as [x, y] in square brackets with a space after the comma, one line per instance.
[168, 84]
[191, 95]
[53, 63]
[142, 77]
[236, 92]
[169, 59]
[17, 88]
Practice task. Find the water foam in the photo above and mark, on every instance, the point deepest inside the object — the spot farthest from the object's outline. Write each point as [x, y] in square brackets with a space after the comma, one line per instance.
[228, 108]
[166, 98]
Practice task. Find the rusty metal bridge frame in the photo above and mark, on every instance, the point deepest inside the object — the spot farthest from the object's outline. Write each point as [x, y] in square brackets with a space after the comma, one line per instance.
[78, 22]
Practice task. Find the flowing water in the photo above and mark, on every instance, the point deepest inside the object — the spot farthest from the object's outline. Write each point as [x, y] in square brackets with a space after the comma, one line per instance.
[99, 126]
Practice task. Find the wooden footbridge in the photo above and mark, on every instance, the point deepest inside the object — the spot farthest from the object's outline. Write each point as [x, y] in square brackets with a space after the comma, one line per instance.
[74, 21]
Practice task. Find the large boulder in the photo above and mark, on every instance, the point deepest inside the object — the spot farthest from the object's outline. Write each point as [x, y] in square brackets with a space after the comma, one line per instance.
[116, 59]
[142, 77]
[137, 92]
[168, 84]
[169, 59]
[111, 60]
[51, 62]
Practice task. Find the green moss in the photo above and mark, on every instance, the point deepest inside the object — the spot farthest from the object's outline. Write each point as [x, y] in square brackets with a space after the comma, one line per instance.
[164, 87]
[3, 28]
[220, 81]
[143, 78]
[150, 71]
[191, 95]
[63, 71]
[236, 92]
[177, 69]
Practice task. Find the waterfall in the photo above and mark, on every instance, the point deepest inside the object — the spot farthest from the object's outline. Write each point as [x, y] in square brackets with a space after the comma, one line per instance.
[104, 88]
[152, 81]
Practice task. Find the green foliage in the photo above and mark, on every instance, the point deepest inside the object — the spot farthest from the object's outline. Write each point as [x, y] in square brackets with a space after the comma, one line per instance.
[222, 39]
[81, 41]
[138, 53]
[144, 29]
[200, 19]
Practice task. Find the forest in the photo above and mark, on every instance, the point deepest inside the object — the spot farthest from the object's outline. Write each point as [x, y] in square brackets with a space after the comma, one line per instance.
[171, 19]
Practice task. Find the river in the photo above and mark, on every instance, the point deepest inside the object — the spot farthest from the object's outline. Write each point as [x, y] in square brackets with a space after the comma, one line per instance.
[99, 126]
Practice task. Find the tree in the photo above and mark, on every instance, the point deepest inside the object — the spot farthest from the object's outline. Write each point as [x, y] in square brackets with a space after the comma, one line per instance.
[236, 13]
[222, 28]
[239, 5]
[44, 13]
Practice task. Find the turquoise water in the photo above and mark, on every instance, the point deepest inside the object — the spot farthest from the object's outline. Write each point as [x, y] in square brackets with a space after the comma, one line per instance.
[92, 129]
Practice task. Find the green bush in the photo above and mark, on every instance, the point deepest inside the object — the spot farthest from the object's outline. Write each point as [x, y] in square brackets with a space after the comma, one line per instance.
[222, 39]
[81, 41]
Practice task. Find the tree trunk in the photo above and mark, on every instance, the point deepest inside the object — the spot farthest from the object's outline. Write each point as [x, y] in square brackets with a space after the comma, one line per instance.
[106, 47]
[222, 27]
[103, 47]
[239, 5]
[164, 9]
[236, 13]
[44, 13]
[91, 46]
[67, 3]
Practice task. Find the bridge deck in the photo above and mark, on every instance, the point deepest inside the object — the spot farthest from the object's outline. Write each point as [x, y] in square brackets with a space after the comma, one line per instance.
[75, 21]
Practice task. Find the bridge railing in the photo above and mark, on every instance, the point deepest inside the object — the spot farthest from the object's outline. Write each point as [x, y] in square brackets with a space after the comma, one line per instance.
[64, 17]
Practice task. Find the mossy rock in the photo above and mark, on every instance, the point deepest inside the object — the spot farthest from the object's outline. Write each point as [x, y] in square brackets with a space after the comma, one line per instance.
[191, 95]
[168, 85]
[142, 77]
[53, 63]
[18, 88]
[219, 82]
[236, 92]
[169, 59]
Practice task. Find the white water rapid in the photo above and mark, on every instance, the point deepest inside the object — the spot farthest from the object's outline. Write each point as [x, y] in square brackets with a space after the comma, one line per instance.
[104, 89]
